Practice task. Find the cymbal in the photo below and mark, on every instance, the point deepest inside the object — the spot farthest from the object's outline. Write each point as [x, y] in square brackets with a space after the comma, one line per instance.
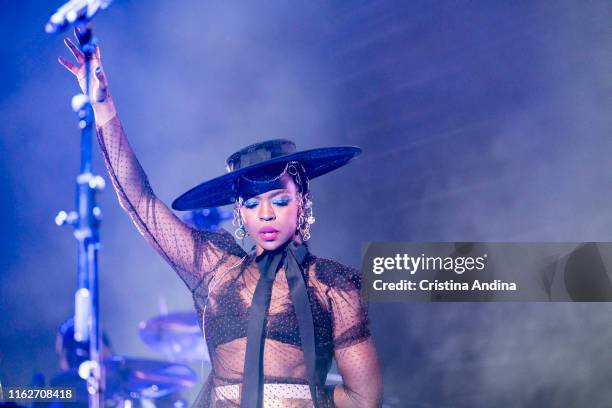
[148, 378]
[176, 335]
[134, 378]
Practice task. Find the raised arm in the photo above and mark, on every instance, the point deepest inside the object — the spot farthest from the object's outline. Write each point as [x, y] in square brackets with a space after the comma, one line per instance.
[354, 349]
[194, 254]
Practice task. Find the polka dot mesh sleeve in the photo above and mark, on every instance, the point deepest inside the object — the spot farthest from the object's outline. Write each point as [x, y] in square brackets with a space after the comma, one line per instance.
[192, 253]
[354, 349]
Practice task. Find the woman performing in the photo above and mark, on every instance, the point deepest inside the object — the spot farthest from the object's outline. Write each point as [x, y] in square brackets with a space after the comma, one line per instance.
[273, 319]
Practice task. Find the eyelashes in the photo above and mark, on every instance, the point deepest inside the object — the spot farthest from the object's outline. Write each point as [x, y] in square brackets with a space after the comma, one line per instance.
[251, 203]
[281, 202]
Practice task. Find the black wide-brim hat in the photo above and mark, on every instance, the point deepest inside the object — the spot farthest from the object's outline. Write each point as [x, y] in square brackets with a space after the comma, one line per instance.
[257, 157]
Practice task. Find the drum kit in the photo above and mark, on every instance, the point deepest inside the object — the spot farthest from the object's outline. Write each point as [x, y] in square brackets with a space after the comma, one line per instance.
[137, 382]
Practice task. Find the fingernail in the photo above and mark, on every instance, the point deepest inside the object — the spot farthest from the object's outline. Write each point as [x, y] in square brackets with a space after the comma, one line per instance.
[98, 69]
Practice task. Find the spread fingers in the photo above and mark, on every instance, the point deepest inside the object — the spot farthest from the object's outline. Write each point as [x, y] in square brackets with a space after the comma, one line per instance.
[68, 65]
[74, 50]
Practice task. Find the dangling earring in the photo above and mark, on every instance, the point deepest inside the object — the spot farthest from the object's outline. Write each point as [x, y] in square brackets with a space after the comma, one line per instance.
[240, 231]
[305, 217]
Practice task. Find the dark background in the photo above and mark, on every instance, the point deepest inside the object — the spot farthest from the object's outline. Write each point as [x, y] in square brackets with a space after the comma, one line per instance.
[480, 121]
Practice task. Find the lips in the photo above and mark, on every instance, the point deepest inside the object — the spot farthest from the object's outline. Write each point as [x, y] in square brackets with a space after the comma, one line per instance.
[268, 233]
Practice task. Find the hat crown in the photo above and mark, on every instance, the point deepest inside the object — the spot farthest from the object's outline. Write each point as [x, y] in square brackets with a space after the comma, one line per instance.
[259, 152]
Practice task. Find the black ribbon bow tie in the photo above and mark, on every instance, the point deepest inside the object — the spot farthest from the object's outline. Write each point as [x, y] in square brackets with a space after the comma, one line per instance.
[291, 256]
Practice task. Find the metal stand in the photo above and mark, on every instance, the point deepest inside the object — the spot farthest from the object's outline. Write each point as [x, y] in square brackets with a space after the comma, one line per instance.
[86, 221]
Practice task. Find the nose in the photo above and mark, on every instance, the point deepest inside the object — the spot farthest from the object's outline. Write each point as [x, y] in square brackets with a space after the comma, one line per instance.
[266, 212]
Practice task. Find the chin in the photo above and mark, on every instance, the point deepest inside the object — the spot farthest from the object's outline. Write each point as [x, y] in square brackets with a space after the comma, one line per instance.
[272, 245]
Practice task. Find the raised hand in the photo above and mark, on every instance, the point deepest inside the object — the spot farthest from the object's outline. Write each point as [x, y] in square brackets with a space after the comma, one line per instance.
[99, 94]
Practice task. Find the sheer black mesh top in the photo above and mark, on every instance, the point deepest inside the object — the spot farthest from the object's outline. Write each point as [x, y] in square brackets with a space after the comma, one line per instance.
[222, 278]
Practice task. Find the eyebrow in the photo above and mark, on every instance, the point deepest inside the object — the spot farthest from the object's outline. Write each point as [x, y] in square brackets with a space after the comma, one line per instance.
[277, 193]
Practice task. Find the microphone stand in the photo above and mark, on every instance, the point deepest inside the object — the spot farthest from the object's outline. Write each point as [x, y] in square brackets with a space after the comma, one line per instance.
[86, 222]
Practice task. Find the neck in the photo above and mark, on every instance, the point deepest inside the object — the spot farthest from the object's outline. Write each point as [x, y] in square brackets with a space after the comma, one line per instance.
[259, 250]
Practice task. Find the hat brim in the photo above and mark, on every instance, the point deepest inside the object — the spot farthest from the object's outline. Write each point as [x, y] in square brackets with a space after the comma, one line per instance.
[221, 191]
